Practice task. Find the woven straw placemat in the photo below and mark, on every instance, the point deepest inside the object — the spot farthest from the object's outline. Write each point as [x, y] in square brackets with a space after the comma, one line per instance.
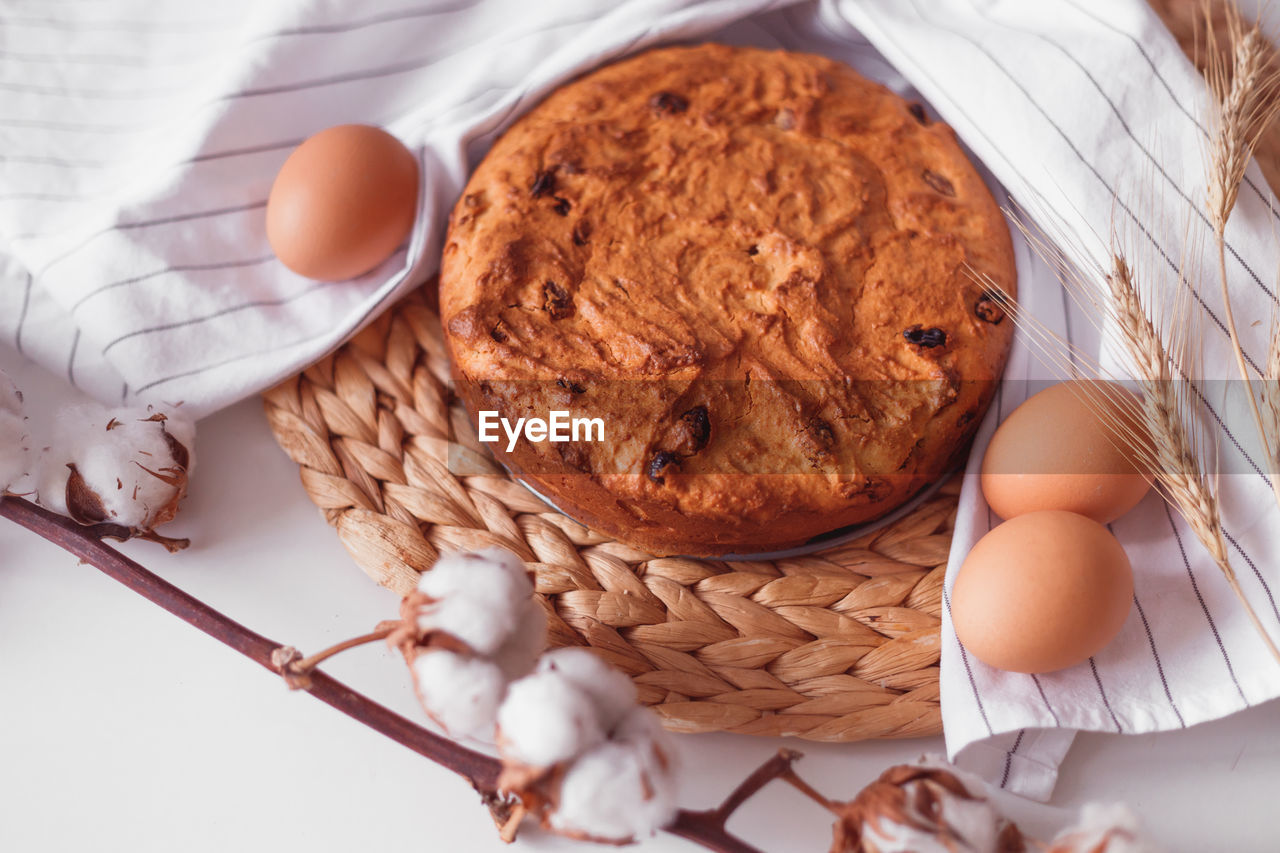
[838, 645]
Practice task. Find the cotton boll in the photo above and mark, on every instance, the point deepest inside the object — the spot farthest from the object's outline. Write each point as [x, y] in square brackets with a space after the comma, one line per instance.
[1103, 828]
[519, 652]
[134, 475]
[612, 692]
[479, 597]
[546, 719]
[642, 730]
[468, 618]
[122, 466]
[921, 809]
[503, 574]
[612, 794]
[460, 692]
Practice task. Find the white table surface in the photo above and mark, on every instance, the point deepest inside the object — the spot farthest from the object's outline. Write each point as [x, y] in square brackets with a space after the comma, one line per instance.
[121, 728]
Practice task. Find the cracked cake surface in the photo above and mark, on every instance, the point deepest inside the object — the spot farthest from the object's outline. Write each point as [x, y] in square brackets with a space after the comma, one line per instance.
[750, 265]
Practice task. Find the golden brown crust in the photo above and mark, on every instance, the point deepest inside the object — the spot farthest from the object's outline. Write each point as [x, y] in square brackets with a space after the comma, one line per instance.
[749, 264]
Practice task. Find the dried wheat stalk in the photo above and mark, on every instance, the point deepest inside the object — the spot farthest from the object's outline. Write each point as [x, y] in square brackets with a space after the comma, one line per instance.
[1163, 353]
[1245, 85]
[1173, 452]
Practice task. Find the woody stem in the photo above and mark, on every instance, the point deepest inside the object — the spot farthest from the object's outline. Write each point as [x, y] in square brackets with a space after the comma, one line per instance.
[310, 662]
[706, 829]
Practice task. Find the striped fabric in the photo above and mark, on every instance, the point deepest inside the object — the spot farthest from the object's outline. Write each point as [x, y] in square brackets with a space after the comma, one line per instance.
[138, 141]
[1091, 110]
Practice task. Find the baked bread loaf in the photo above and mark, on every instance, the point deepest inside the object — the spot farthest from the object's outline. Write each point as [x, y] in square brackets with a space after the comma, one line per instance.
[750, 266]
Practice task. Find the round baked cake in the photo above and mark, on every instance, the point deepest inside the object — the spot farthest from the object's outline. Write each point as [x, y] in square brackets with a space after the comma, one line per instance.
[747, 269]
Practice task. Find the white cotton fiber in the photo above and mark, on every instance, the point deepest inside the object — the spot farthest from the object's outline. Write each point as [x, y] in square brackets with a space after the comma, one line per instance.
[612, 794]
[460, 692]
[546, 719]
[611, 691]
[480, 598]
[134, 464]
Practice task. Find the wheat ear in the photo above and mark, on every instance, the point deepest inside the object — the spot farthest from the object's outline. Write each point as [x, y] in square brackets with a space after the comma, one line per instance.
[1245, 87]
[1166, 414]
[1162, 356]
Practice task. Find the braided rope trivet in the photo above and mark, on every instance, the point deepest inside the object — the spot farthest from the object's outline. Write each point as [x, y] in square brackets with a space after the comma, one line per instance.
[839, 645]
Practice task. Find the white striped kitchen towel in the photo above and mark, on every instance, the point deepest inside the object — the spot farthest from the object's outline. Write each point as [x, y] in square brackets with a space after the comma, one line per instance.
[138, 141]
[1090, 109]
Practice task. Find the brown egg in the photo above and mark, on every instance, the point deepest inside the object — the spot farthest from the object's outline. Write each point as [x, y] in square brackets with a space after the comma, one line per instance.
[342, 203]
[1042, 592]
[1056, 451]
